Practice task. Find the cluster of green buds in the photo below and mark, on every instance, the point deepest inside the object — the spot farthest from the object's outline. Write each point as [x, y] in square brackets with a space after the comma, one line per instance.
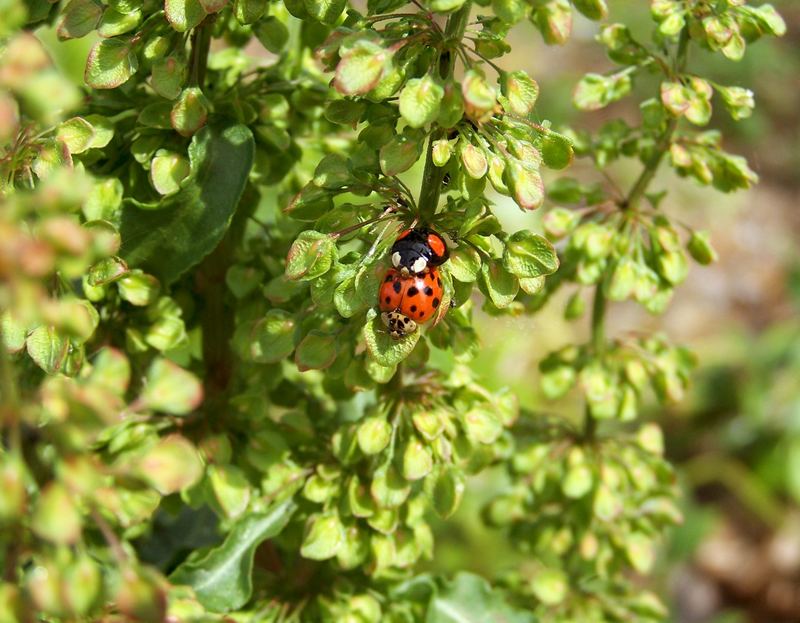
[585, 511]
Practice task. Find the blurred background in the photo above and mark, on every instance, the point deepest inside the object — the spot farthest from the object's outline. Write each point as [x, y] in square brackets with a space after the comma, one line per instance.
[736, 436]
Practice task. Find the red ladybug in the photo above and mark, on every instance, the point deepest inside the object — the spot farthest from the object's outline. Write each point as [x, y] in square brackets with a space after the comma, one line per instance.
[418, 249]
[406, 302]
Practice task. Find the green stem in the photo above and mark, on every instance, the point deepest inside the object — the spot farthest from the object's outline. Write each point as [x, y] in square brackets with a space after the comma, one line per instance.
[631, 202]
[642, 183]
[433, 176]
[201, 43]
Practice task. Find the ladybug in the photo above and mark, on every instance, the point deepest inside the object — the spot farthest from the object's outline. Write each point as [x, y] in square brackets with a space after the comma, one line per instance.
[406, 302]
[417, 250]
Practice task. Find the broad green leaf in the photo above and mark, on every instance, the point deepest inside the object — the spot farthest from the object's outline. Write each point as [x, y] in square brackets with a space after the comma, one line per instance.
[520, 91]
[113, 23]
[550, 586]
[595, 91]
[169, 241]
[48, 349]
[77, 134]
[190, 111]
[402, 152]
[468, 598]
[325, 11]
[311, 255]
[171, 465]
[184, 15]
[231, 488]
[167, 171]
[446, 491]
[498, 284]
[171, 389]
[167, 76]
[593, 9]
[249, 11]
[222, 579]
[529, 255]
[465, 264]
[272, 337]
[525, 185]
[110, 64]
[373, 435]
[316, 351]
[323, 538]
[55, 515]
[361, 68]
[78, 19]
[556, 150]
[382, 348]
[420, 101]
[272, 33]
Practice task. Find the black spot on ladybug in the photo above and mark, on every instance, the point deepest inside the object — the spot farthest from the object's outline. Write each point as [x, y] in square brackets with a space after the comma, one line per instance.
[421, 313]
[397, 286]
[388, 299]
[412, 291]
[428, 291]
[436, 303]
[388, 278]
[439, 281]
[413, 308]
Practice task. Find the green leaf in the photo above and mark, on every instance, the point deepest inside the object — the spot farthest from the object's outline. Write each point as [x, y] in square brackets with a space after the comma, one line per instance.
[184, 15]
[325, 11]
[47, 349]
[417, 460]
[595, 91]
[465, 264]
[550, 586]
[249, 11]
[529, 255]
[373, 435]
[272, 33]
[231, 488]
[401, 153]
[316, 351]
[190, 111]
[554, 20]
[361, 68]
[469, 598]
[556, 150]
[169, 241]
[479, 96]
[498, 284]
[138, 288]
[272, 337]
[593, 9]
[525, 184]
[171, 389]
[113, 23]
[473, 159]
[12, 331]
[55, 516]
[222, 579]
[420, 101]
[311, 255]
[323, 538]
[77, 134]
[110, 64]
[699, 247]
[107, 270]
[167, 76]
[78, 19]
[171, 465]
[447, 490]
[167, 171]
[520, 91]
[384, 350]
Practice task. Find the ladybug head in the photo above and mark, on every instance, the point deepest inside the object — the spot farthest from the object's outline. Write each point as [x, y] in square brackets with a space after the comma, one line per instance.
[415, 250]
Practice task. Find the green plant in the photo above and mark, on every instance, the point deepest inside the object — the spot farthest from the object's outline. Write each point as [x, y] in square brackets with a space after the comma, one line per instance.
[202, 413]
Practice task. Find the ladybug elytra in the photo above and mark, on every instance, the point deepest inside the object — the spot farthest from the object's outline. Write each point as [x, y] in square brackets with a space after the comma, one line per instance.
[406, 302]
[417, 250]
